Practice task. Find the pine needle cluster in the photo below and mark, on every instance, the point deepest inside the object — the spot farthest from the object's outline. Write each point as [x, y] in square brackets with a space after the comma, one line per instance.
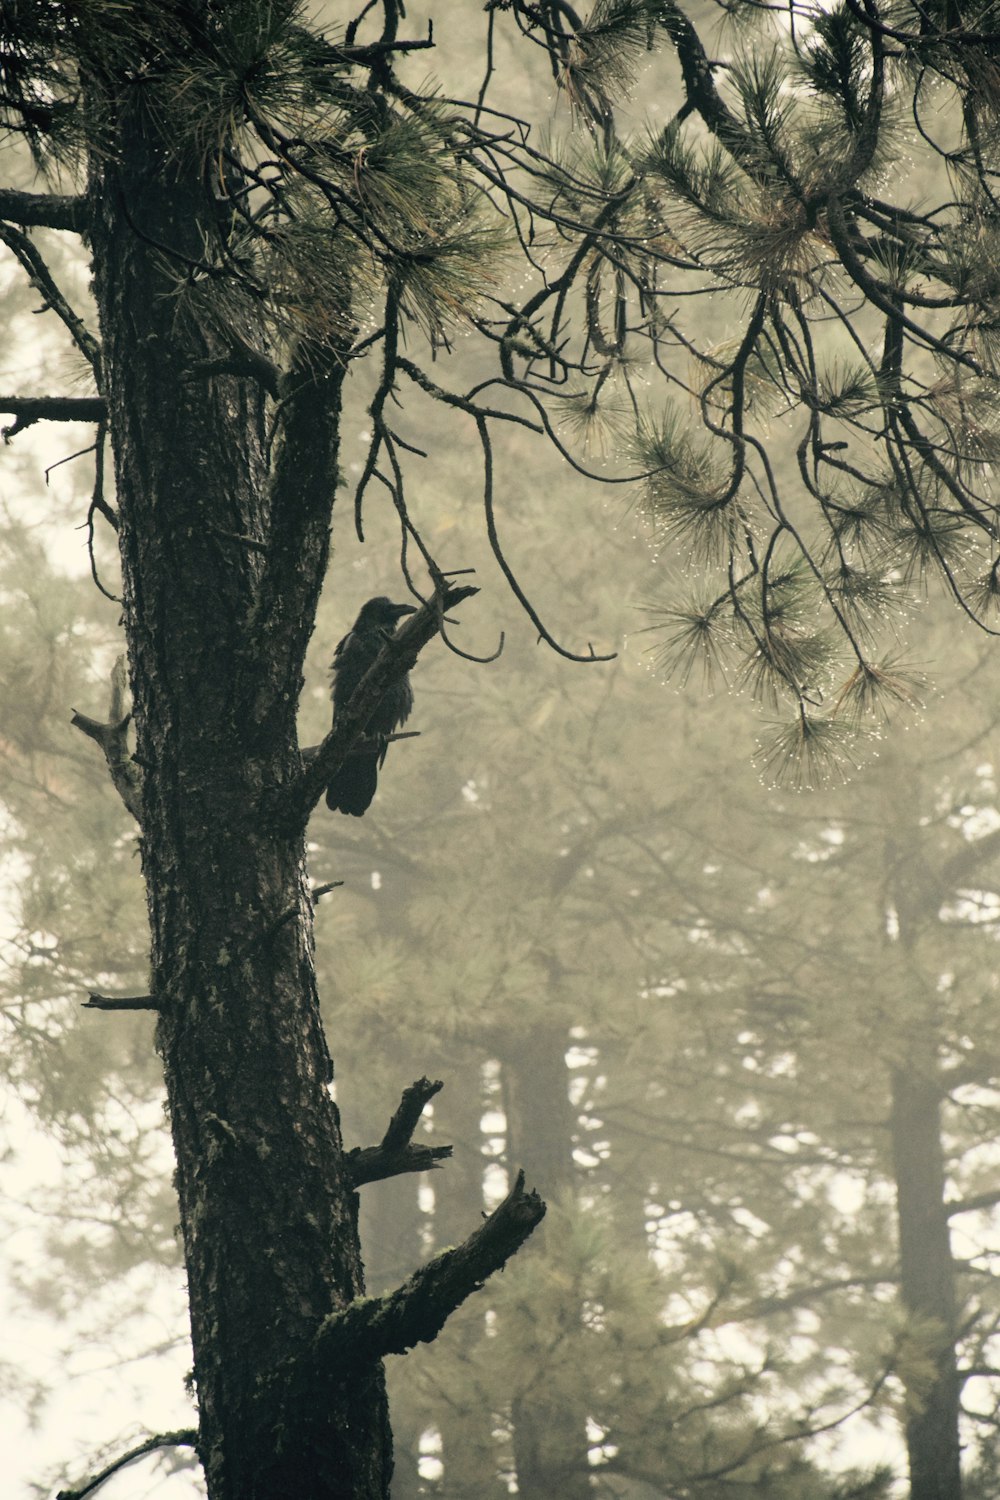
[687, 491]
[326, 191]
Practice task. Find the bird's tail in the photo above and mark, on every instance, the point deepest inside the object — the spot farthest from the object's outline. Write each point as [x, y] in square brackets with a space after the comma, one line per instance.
[352, 789]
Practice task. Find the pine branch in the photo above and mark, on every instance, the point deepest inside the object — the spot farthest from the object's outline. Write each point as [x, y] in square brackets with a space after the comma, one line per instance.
[955, 35]
[187, 1437]
[701, 93]
[44, 210]
[30, 409]
[376, 52]
[881, 295]
[866, 143]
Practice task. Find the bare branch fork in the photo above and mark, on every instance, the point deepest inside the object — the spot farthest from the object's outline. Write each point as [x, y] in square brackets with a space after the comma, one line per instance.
[396, 1152]
[294, 802]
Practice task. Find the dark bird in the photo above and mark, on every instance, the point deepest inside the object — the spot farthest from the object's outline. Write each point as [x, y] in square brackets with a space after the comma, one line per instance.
[353, 787]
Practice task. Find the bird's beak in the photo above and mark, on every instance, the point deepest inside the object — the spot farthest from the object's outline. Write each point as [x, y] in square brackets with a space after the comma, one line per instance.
[404, 609]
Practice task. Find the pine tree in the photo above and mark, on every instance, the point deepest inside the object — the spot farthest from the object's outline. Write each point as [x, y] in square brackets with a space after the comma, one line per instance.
[231, 296]
[267, 206]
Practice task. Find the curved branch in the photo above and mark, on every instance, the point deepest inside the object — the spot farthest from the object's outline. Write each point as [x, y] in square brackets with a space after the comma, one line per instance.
[186, 1437]
[953, 36]
[390, 335]
[505, 568]
[879, 294]
[41, 278]
[701, 93]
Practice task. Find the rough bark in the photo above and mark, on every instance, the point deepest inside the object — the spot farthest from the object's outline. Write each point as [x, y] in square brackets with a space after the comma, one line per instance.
[266, 1211]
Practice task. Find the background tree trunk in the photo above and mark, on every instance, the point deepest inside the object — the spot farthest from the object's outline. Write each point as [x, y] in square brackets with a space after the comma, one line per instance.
[927, 1275]
[550, 1438]
[927, 1269]
[470, 1451]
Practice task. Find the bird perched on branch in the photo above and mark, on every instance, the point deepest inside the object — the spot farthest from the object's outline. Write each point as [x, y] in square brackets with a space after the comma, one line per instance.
[353, 787]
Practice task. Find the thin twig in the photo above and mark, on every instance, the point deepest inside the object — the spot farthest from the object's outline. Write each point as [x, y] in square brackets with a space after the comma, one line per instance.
[185, 1438]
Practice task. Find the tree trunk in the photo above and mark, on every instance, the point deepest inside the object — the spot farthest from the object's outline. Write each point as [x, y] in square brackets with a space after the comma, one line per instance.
[550, 1437]
[634, 1176]
[927, 1270]
[927, 1278]
[216, 631]
[470, 1451]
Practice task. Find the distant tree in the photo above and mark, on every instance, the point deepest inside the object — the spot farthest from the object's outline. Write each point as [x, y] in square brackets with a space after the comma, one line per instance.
[832, 1094]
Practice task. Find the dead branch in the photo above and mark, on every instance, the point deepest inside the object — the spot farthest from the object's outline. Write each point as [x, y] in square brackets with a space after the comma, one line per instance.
[120, 1002]
[396, 1153]
[34, 264]
[113, 740]
[418, 1310]
[44, 210]
[27, 410]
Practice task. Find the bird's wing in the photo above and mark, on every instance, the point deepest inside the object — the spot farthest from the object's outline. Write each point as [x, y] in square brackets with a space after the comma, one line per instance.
[339, 650]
